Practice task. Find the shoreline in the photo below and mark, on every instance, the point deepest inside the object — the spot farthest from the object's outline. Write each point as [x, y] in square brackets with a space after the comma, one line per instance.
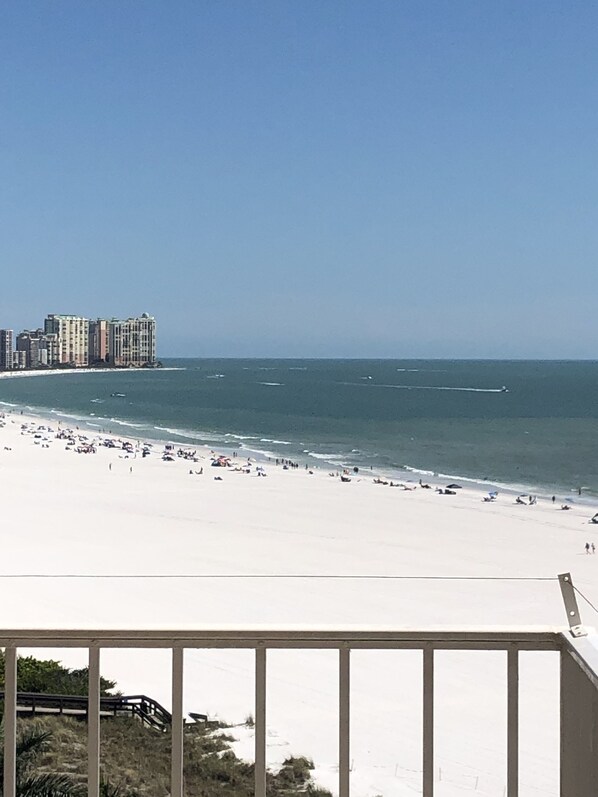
[239, 443]
[135, 432]
[408, 478]
[16, 374]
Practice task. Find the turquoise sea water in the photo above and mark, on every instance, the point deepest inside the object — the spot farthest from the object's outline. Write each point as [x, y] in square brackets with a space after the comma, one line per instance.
[447, 417]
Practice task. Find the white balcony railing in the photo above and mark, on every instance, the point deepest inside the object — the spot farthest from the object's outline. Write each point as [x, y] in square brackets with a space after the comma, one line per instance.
[578, 689]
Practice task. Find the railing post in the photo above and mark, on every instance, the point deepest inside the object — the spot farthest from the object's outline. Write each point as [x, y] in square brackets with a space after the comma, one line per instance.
[344, 722]
[512, 722]
[10, 721]
[428, 722]
[93, 723]
[176, 770]
[579, 730]
[260, 721]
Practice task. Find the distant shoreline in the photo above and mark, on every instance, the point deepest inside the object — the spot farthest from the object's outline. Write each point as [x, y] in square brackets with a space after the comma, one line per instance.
[60, 371]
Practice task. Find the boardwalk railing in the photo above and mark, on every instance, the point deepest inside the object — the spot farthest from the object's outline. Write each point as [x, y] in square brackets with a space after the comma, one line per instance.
[142, 707]
[578, 687]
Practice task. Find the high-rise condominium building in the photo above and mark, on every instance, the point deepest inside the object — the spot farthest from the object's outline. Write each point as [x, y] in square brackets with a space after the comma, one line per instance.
[28, 342]
[40, 349]
[132, 343]
[19, 359]
[6, 348]
[98, 341]
[73, 337]
[49, 348]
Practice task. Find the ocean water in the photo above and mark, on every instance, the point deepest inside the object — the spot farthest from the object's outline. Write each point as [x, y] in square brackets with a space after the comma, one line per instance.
[421, 416]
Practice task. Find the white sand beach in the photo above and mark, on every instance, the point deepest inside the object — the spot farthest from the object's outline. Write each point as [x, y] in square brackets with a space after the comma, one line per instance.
[113, 513]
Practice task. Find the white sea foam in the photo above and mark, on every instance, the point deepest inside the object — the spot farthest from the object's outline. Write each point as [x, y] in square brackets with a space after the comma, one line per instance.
[241, 436]
[421, 471]
[272, 384]
[208, 437]
[259, 451]
[67, 415]
[336, 459]
[479, 482]
[276, 442]
[128, 423]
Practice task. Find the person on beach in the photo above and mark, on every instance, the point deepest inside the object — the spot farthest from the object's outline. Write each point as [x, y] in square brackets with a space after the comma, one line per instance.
[587, 547]
[593, 548]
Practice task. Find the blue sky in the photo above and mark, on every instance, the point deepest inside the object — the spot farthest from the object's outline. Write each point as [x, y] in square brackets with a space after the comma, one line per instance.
[292, 178]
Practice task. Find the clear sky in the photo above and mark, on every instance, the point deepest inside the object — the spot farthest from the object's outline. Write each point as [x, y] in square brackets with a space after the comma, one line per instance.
[305, 177]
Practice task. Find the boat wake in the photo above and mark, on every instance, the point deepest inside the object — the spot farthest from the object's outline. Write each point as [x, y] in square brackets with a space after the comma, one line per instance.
[433, 387]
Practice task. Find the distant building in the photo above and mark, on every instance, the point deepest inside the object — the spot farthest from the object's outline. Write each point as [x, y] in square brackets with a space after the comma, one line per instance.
[49, 349]
[98, 341]
[132, 343]
[40, 349]
[6, 349]
[19, 360]
[73, 338]
[28, 344]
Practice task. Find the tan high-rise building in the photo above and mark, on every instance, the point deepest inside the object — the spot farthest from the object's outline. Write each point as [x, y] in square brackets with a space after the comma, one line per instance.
[73, 338]
[98, 340]
[132, 343]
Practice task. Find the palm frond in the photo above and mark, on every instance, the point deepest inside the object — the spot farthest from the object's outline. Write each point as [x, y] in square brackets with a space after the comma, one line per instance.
[107, 789]
[31, 741]
[49, 785]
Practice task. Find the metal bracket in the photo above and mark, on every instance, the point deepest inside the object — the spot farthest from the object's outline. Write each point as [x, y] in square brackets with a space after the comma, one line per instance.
[568, 592]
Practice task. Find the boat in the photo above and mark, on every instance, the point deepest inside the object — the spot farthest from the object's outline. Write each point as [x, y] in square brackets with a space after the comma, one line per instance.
[118, 395]
[504, 389]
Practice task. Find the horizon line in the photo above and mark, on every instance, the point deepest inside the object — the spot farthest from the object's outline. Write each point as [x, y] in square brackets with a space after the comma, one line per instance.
[390, 359]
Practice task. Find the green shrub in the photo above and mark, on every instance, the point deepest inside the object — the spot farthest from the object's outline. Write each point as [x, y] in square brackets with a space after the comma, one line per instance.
[34, 675]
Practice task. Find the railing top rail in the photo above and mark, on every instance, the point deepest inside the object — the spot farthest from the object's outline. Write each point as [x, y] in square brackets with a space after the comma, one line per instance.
[482, 638]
